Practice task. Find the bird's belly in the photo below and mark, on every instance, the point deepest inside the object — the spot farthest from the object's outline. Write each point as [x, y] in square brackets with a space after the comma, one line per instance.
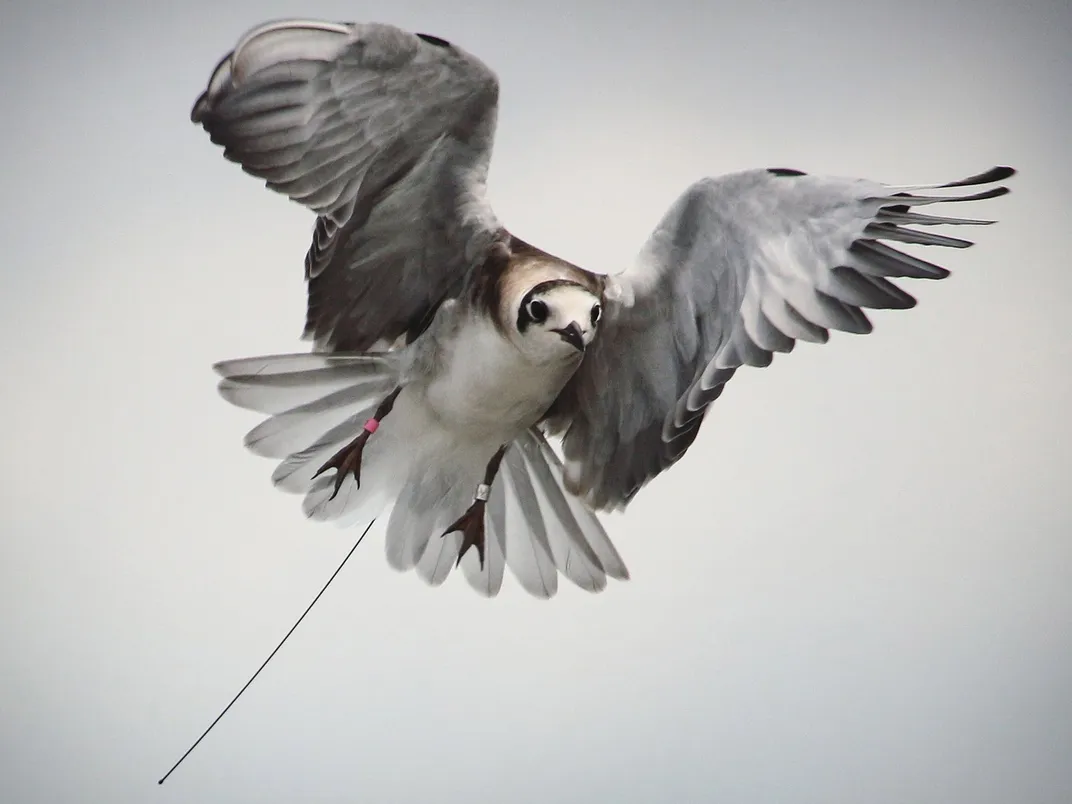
[488, 389]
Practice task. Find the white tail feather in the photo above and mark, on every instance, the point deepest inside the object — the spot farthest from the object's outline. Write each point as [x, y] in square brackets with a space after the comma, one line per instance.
[426, 473]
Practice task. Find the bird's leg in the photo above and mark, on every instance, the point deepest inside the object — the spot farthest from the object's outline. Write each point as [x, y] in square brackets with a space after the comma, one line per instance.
[471, 523]
[348, 459]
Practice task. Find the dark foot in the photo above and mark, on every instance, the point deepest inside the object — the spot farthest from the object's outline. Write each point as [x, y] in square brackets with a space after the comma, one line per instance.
[346, 461]
[471, 526]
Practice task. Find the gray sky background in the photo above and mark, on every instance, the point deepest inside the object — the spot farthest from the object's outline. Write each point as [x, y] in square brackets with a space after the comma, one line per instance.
[857, 587]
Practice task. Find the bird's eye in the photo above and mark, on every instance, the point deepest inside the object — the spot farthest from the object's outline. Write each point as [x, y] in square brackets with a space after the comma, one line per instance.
[597, 311]
[538, 311]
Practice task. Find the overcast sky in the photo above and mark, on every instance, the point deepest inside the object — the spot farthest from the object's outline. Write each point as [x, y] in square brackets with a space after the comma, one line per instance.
[857, 586]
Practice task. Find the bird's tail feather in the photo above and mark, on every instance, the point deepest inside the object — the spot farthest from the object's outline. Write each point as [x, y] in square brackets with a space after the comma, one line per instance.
[318, 403]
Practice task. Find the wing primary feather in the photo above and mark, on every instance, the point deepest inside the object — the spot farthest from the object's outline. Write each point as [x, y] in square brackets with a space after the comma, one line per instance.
[854, 287]
[919, 200]
[901, 215]
[998, 173]
[881, 260]
[885, 231]
[287, 26]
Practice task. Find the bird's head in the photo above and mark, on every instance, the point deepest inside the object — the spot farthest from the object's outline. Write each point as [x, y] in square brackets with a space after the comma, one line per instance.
[557, 320]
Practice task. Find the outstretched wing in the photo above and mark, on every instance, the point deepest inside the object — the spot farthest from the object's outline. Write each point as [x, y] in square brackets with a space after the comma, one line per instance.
[387, 136]
[742, 266]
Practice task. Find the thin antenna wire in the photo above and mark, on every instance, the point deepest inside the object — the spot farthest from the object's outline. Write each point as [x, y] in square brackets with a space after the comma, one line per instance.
[273, 653]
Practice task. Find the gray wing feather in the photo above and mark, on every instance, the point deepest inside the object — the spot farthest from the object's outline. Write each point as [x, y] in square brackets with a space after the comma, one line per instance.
[742, 266]
[387, 136]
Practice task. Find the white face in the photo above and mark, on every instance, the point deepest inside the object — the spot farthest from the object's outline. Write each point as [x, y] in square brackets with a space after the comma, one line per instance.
[557, 322]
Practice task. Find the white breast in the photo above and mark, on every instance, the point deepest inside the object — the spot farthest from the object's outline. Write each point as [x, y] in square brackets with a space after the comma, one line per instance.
[487, 386]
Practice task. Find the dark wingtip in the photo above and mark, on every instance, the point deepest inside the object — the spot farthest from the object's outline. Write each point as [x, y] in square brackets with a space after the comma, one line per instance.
[203, 103]
[786, 172]
[994, 174]
[995, 192]
[197, 113]
[433, 40]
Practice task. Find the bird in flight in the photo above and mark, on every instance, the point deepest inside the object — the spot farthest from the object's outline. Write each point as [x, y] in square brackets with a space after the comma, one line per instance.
[447, 350]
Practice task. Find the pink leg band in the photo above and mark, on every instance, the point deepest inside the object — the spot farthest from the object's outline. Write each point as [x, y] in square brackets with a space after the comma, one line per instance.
[372, 425]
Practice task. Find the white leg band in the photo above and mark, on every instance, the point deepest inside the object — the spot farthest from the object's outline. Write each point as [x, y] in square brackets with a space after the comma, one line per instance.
[482, 492]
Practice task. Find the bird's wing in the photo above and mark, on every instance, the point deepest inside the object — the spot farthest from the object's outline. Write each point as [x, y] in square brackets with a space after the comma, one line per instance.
[741, 266]
[387, 136]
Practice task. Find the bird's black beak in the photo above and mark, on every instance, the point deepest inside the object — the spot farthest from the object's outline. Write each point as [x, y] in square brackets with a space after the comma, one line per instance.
[572, 336]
